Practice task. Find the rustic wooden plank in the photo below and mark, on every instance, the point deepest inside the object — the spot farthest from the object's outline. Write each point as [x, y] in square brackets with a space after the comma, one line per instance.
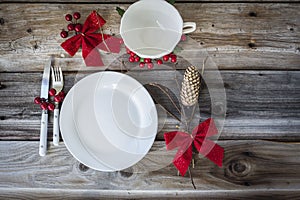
[41, 193]
[248, 166]
[260, 104]
[132, 1]
[237, 35]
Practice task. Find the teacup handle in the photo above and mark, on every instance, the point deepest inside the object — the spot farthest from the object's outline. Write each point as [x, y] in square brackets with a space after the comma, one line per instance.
[188, 27]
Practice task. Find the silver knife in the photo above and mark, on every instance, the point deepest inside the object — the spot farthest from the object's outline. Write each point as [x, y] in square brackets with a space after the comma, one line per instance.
[44, 119]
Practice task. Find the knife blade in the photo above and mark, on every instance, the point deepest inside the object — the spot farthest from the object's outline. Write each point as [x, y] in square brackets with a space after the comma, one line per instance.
[44, 118]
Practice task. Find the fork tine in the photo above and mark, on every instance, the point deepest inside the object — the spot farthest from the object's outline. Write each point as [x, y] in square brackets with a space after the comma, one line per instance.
[61, 75]
[52, 73]
[57, 74]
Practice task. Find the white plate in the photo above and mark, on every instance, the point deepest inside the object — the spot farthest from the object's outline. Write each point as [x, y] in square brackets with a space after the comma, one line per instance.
[92, 147]
[125, 110]
[71, 139]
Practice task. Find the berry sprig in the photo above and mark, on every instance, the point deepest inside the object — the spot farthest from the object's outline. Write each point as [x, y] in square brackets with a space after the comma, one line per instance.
[48, 104]
[150, 62]
[73, 25]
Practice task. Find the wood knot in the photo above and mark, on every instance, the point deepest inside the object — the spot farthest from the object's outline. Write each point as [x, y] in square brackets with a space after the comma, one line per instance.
[239, 168]
[2, 21]
[2, 86]
[126, 174]
[83, 168]
[251, 45]
[29, 30]
[252, 14]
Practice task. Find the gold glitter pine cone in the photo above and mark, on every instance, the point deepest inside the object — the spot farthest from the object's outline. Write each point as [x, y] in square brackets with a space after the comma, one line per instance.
[190, 86]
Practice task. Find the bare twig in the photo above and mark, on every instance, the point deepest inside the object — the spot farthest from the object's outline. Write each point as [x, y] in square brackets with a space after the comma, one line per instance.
[192, 180]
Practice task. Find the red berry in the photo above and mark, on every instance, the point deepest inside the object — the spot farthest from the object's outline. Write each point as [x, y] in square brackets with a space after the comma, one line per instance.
[150, 65]
[37, 100]
[132, 53]
[64, 34]
[127, 50]
[166, 57]
[131, 59]
[44, 105]
[174, 59]
[51, 106]
[78, 27]
[71, 27]
[147, 60]
[52, 92]
[76, 15]
[57, 98]
[142, 64]
[183, 37]
[61, 94]
[159, 62]
[68, 17]
[137, 59]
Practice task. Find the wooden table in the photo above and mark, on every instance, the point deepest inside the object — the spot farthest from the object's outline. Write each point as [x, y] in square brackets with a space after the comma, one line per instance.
[256, 46]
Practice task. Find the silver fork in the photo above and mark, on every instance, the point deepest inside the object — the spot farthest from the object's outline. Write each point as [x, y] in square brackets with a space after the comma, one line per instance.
[57, 84]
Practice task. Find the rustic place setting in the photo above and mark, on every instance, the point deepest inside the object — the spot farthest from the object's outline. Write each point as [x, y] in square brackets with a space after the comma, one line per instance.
[149, 99]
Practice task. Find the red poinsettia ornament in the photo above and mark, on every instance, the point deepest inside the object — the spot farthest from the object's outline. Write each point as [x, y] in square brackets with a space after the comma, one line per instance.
[91, 41]
[184, 142]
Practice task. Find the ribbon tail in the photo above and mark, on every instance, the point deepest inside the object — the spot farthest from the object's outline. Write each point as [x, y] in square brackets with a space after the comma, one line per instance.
[91, 54]
[212, 151]
[182, 161]
[72, 44]
[184, 153]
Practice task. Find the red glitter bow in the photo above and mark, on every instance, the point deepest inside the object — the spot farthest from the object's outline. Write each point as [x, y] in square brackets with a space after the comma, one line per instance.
[89, 40]
[185, 141]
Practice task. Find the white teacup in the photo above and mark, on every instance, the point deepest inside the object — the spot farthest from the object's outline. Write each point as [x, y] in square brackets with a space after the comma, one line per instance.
[153, 28]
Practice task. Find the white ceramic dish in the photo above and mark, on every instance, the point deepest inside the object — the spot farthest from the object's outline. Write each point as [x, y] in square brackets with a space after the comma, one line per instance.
[152, 28]
[125, 110]
[71, 139]
[84, 137]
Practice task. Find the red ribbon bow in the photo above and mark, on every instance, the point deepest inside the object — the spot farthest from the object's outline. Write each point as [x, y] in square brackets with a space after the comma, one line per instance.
[199, 135]
[89, 40]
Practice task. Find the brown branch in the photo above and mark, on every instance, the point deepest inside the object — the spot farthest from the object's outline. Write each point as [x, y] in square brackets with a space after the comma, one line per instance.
[192, 180]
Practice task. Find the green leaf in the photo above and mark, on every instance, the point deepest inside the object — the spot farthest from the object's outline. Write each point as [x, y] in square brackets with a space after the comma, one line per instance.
[177, 50]
[120, 11]
[171, 1]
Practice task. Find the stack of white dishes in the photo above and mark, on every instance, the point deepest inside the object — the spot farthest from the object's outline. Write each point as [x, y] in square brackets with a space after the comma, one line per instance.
[108, 121]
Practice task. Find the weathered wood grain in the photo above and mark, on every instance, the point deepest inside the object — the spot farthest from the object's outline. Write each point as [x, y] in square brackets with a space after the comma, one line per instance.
[260, 104]
[237, 35]
[248, 166]
[42, 193]
[132, 1]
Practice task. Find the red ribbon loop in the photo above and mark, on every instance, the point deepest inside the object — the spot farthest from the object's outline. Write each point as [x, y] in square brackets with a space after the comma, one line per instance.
[90, 41]
[184, 141]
